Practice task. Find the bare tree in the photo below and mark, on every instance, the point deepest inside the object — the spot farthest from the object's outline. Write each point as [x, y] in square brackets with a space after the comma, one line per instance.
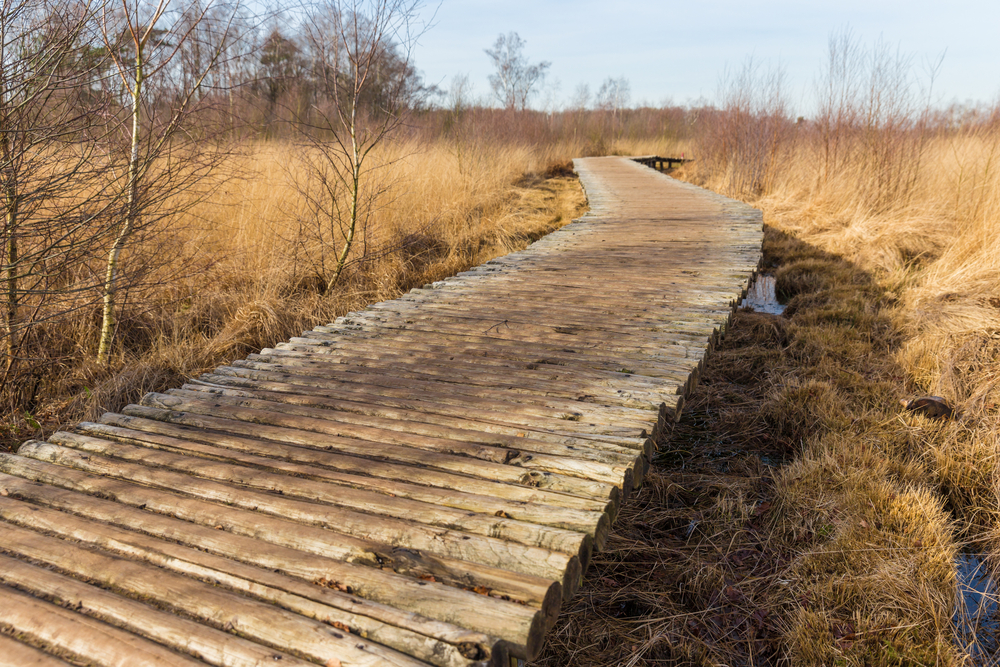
[460, 93]
[516, 79]
[361, 61]
[746, 136]
[581, 98]
[839, 92]
[47, 122]
[614, 96]
[143, 42]
[869, 114]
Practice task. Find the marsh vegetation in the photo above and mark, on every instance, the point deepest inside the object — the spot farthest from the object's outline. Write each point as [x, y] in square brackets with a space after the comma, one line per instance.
[797, 515]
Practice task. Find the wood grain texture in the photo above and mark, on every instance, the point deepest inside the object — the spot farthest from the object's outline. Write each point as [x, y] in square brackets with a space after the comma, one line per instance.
[421, 482]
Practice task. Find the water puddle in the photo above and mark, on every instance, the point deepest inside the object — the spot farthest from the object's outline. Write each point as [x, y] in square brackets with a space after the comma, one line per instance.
[977, 623]
[761, 297]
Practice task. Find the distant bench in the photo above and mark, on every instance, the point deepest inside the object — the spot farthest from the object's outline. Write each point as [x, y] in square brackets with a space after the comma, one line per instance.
[658, 162]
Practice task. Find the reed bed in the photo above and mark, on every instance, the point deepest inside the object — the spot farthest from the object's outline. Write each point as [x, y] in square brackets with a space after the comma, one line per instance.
[914, 220]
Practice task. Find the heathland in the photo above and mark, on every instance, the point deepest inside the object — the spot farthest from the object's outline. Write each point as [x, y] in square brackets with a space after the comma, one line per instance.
[798, 514]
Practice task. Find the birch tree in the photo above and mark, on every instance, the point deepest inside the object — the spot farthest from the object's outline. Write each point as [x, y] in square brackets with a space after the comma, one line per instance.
[143, 41]
[515, 79]
[361, 63]
[614, 96]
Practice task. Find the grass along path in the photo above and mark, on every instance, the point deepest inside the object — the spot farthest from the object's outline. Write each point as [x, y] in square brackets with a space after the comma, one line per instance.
[796, 515]
[254, 296]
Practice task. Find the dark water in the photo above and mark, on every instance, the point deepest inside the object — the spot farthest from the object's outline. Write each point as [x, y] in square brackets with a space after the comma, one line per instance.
[761, 297]
[977, 623]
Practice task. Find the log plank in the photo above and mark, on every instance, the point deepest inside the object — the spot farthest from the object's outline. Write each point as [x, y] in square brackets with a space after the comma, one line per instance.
[180, 634]
[293, 486]
[368, 528]
[15, 654]
[209, 644]
[267, 624]
[595, 524]
[152, 431]
[81, 638]
[529, 589]
[516, 470]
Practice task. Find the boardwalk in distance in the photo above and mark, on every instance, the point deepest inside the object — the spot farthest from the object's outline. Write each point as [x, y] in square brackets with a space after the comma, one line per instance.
[423, 482]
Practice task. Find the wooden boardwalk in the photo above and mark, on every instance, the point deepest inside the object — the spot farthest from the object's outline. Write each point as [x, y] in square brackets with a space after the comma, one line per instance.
[423, 482]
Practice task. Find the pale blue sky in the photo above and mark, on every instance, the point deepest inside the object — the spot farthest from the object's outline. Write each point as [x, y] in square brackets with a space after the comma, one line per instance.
[678, 50]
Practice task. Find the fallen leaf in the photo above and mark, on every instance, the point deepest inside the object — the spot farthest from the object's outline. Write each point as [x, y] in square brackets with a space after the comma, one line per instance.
[843, 631]
[340, 626]
[330, 583]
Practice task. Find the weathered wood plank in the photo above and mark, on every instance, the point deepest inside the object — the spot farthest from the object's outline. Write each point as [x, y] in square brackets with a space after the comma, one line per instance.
[588, 402]
[555, 376]
[593, 450]
[430, 413]
[210, 604]
[402, 601]
[515, 469]
[180, 634]
[575, 416]
[83, 638]
[15, 654]
[530, 589]
[489, 525]
[593, 523]
[458, 545]
[187, 636]
[151, 431]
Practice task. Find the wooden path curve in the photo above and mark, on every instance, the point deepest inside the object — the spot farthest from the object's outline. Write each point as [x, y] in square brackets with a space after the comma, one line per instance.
[422, 482]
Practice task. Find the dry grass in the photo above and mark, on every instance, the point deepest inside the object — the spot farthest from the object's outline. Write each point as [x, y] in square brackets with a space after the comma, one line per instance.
[935, 249]
[248, 282]
[886, 499]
